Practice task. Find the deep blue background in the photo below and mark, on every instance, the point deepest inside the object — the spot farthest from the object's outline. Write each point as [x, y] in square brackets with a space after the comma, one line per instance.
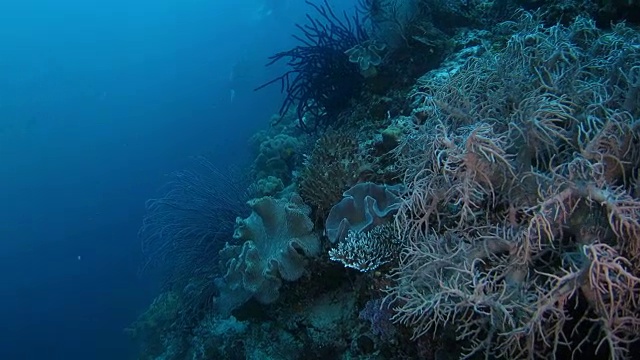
[99, 99]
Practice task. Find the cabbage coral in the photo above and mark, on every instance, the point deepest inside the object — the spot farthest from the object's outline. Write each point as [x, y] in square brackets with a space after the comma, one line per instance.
[275, 241]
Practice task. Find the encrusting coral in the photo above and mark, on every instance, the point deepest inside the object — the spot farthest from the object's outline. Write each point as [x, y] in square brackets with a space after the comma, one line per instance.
[276, 157]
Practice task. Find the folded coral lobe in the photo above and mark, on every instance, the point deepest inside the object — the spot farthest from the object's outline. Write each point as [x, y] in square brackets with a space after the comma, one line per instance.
[363, 207]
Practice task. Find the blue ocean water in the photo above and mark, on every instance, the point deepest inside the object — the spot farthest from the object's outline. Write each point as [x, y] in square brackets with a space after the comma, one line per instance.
[98, 101]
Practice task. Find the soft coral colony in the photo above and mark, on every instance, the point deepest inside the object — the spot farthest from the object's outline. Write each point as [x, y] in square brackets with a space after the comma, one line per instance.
[477, 196]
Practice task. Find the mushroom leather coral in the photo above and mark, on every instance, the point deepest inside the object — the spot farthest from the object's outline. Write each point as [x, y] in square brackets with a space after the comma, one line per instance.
[277, 237]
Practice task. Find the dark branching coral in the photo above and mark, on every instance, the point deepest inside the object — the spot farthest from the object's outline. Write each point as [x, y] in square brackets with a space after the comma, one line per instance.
[184, 230]
[322, 81]
[334, 165]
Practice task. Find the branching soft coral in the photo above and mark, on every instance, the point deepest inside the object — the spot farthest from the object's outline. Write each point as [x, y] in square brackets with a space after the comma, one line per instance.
[464, 171]
[520, 220]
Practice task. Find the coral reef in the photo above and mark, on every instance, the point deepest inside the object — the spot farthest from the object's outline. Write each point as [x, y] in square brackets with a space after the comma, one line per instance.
[479, 196]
